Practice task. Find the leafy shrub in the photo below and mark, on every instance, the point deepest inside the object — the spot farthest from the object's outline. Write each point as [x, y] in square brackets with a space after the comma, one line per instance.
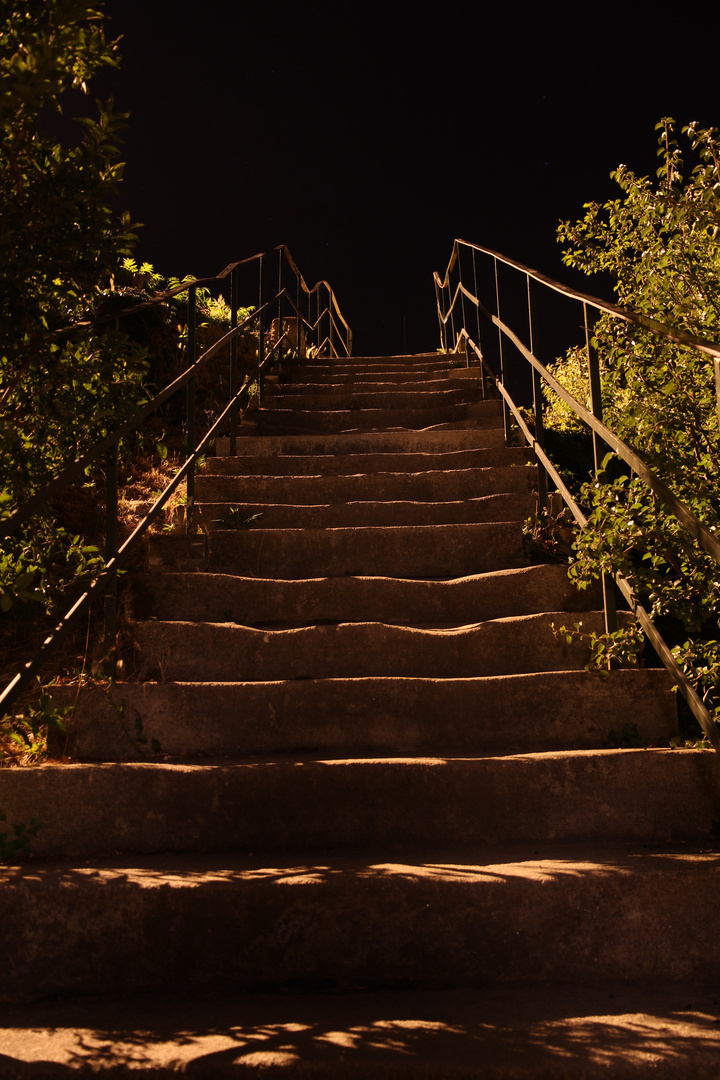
[661, 243]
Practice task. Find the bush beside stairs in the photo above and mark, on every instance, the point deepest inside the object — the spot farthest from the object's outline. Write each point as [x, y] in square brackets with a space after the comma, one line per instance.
[349, 810]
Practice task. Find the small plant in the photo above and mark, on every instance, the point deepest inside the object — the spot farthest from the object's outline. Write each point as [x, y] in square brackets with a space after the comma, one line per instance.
[629, 737]
[236, 518]
[24, 735]
[622, 648]
[14, 846]
[119, 710]
[547, 536]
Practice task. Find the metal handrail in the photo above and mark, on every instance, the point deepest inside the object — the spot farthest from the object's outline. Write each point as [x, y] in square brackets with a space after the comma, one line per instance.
[460, 338]
[106, 581]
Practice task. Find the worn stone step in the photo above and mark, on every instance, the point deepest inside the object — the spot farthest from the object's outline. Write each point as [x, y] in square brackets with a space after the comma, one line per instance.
[374, 418]
[373, 443]
[420, 362]
[290, 802]
[342, 464]
[580, 1031]
[191, 652]
[413, 551]
[320, 377]
[383, 920]
[431, 485]
[422, 397]
[418, 716]
[366, 384]
[219, 515]
[268, 601]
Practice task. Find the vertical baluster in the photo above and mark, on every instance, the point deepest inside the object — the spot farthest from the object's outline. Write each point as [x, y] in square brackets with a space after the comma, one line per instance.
[233, 358]
[298, 298]
[189, 361]
[477, 310]
[501, 343]
[537, 395]
[440, 314]
[483, 375]
[462, 307]
[608, 583]
[111, 520]
[261, 325]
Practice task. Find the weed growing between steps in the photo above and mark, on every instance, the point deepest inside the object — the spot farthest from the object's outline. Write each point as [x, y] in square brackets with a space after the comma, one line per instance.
[14, 845]
[548, 536]
[236, 518]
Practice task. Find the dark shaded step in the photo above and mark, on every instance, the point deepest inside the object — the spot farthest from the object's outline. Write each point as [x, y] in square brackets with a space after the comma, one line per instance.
[293, 802]
[263, 602]
[218, 652]
[429, 486]
[413, 551]
[494, 715]
[340, 464]
[380, 921]
[374, 443]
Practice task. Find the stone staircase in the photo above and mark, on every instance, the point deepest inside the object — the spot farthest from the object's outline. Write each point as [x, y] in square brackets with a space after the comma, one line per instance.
[349, 811]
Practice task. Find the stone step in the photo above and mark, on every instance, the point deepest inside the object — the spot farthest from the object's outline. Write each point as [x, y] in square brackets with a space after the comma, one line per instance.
[368, 383]
[431, 485]
[216, 652]
[318, 377]
[293, 802]
[409, 551]
[504, 714]
[372, 443]
[380, 920]
[422, 397]
[297, 421]
[586, 1031]
[344, 464]
[199, 597]
[219, 515]
[421, 362]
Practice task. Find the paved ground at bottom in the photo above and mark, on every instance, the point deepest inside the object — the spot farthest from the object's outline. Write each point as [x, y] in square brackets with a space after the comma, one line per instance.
[532, 1031]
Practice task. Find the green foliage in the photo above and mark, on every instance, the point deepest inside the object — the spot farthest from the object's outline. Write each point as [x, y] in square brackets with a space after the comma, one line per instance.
[547, 536]
[236, 518]
[622, 648]
[629, 737]
[661, 243]
[13, 846]
[60, 240]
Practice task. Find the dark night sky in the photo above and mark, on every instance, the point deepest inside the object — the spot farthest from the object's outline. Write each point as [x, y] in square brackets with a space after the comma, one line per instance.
[367, 137]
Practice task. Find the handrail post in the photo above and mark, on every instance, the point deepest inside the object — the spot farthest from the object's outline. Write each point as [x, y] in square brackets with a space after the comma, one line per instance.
[111, 543]
[477, 310]
[261, 326]
[462, 307]
[440, 314]
[299, 318]
[189, 361]
[233, 358]
[537, 396]
[501, 343]
[483, 373]
[330, 327]
[608, 582]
